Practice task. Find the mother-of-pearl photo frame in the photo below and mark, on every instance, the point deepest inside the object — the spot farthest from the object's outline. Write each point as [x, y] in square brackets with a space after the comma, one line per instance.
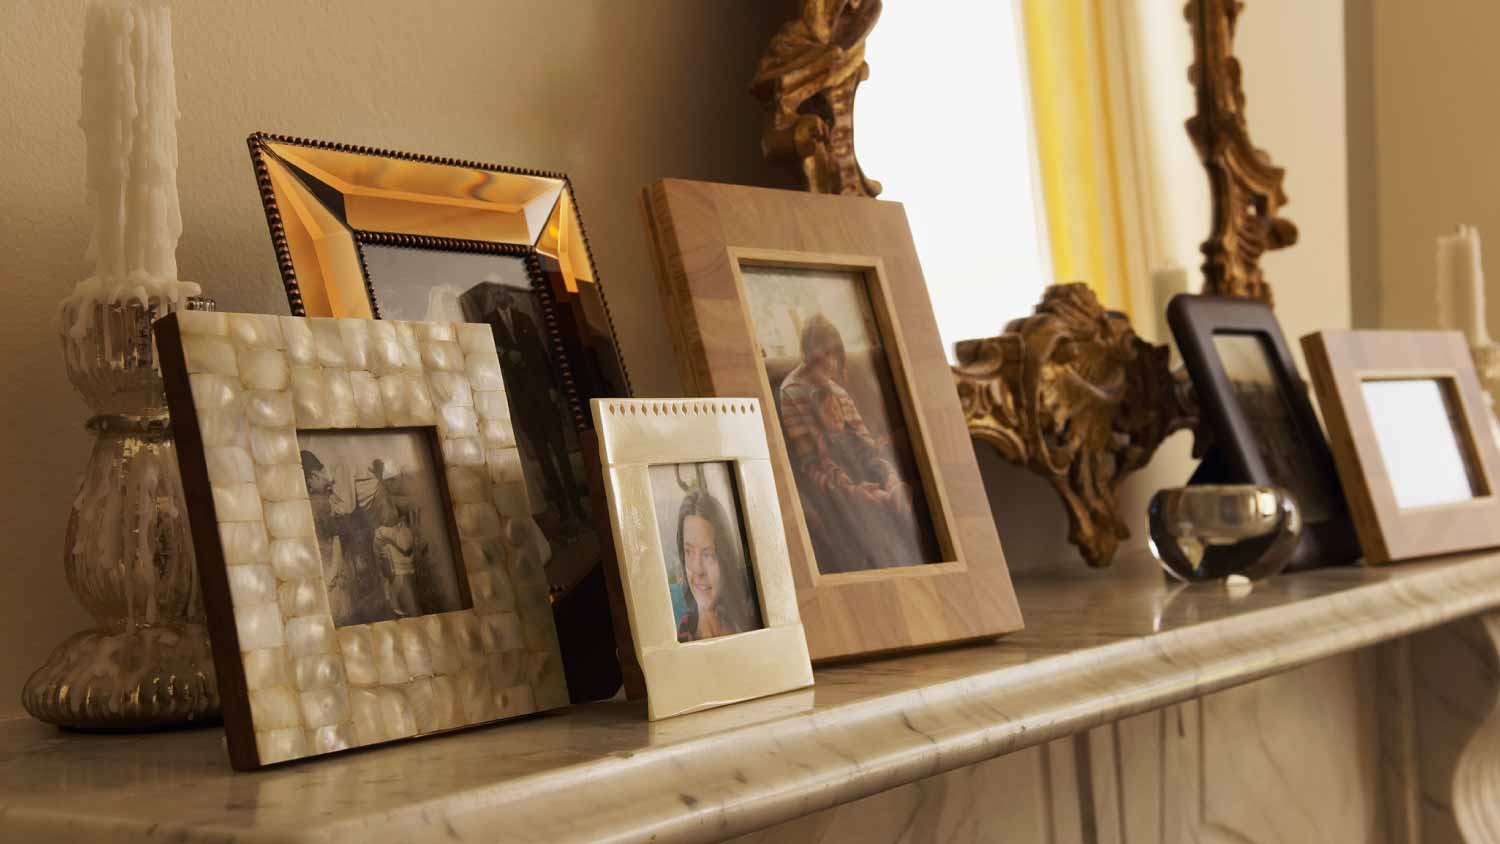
[680, 677]
[240, 387]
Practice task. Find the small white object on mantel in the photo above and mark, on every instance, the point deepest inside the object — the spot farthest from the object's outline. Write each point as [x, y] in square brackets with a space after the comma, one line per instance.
[130, 127]
[1460, 288]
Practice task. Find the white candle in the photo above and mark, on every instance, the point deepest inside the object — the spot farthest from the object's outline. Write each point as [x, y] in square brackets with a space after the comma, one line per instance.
[130, 127]
[1460, 285]
[1166, 283]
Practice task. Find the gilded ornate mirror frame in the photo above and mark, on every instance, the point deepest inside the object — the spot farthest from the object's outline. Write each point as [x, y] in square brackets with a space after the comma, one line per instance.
[1071, 361]
[1244, 185]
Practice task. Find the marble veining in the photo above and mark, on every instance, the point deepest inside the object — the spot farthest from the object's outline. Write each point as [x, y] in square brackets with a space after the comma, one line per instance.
[1098, 648]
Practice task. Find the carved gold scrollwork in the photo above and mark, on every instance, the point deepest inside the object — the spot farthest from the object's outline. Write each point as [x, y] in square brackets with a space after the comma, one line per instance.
[807, 79]
[1245, 185]
[1073, 394]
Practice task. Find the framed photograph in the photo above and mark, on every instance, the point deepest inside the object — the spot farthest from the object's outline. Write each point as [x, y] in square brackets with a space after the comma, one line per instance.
[1412, 437]
[1257, 408]
[816, 306]
[359, 511]
[381, 234]
[708, 592]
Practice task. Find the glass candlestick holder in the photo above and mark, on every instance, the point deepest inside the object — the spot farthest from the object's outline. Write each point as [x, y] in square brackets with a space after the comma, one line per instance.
[127, 552]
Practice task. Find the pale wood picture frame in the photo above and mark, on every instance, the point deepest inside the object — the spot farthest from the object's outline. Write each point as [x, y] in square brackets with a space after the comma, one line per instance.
[682, 677]
[1341, 364]
[704, 236]
[245, 391]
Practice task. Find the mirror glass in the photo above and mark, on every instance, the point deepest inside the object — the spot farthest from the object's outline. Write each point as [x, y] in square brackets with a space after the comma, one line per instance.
[978, 230]
[1282, 444]
[1423, 441]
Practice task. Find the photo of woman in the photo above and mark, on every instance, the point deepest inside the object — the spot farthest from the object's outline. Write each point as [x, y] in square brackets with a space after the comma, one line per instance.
[708, 573]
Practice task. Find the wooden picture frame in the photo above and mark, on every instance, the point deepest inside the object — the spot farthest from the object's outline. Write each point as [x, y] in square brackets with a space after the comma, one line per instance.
[323, 639]
[1427, 367]
[1243, 451]
[684, 673]
[708, 238]
[363, 232]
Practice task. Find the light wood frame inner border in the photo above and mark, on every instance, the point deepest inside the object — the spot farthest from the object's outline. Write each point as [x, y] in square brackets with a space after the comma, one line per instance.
[682, 677]
[702, 232]
[1340, 362]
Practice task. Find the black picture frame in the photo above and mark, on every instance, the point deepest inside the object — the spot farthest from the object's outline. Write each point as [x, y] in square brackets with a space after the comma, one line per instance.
[576, 327]
[1234, 455]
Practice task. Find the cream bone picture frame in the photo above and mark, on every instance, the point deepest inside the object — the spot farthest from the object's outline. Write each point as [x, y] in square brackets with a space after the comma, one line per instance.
[681, 677]
[246, 391]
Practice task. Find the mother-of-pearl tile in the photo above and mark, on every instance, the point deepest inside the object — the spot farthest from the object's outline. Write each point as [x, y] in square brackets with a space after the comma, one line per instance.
[358, 652]
[255, 331]
[301, 349]
[203, 322]
[269, 408]
[450, 388]
[295, 557]
[289, 519]
[281, 482]
[263, 369]
[229, 465]
[244, 543]
[216, 392]
[491, 404]
[273, 446]
[329, 342]
[356, 336]
[342, 412]
[369, 409]
[209, 354]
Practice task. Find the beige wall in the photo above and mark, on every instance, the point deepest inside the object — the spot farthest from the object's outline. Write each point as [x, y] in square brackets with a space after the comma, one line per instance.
[616, 94]
[1432, 76]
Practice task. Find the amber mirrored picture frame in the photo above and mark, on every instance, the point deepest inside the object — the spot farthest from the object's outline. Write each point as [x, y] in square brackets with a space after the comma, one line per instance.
[378, 234]
[816, 306]
[1382, 443]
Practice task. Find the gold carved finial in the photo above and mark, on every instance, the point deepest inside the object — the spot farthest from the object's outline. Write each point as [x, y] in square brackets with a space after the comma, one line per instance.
[1245, 185]
[807, 80]
[1073, 394]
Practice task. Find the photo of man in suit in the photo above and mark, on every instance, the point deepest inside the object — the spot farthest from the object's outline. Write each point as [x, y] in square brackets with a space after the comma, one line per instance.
[528, 371]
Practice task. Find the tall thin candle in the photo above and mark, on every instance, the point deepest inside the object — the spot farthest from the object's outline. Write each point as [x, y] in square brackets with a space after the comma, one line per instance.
[1460, 285]
[130, 127]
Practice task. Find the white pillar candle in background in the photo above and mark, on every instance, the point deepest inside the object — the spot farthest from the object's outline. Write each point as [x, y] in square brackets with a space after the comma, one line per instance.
[1166, 283]
[1460, 286]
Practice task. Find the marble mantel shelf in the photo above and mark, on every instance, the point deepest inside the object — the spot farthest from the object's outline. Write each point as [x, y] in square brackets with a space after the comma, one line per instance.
[1097, 648]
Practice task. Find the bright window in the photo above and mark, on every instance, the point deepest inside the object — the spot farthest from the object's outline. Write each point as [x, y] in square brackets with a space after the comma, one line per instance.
[943, 124]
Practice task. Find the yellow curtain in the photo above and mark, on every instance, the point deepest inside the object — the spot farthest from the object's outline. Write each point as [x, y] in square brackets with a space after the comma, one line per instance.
[1077, 92]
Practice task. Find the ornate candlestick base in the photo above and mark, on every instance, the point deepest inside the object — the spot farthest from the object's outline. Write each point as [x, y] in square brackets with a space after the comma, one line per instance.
[128, 555]
[147, 678]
